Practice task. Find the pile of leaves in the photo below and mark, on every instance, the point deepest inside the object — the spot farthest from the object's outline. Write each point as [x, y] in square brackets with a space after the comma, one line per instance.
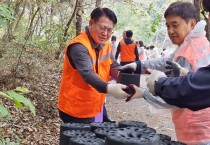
[43, 83]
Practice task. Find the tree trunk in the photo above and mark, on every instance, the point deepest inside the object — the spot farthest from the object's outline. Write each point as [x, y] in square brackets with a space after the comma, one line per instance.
[21, 15]
[29, 32]
[63, 43]
[79, 17]
[69, 22]
[98, 3]
[197, 6]
[16, 6]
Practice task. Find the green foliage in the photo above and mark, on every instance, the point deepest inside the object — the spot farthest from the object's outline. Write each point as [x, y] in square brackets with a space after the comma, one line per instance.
[5, 15]
[155, 23]
[55, 33]
[16, 96]
[7, 141]
[144, 18]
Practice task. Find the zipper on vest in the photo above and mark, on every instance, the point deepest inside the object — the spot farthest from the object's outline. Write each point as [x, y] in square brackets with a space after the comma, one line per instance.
[97, 54]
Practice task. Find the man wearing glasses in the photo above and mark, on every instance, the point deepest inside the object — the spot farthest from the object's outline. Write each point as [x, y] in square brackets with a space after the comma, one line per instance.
[88, 64]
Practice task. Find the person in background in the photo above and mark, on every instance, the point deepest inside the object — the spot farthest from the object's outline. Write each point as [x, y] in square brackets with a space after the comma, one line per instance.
[147, 52]
[166, 52]
[127, 49]
[154, 54]
[88, 64]
[192, 53]
[142, 51]
[113, 44]
[123, 37]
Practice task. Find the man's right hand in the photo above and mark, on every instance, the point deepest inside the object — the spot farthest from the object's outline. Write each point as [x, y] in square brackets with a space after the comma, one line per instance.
[131, 67]
[116, 90]
[152, 78]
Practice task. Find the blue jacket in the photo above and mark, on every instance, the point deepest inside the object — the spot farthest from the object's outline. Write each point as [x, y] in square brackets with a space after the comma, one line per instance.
[191, 91]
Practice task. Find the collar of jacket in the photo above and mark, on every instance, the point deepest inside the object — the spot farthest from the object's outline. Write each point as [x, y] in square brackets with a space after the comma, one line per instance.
[128, 40]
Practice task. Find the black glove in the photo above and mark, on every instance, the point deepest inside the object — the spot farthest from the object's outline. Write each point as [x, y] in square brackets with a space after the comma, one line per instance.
[174, 69]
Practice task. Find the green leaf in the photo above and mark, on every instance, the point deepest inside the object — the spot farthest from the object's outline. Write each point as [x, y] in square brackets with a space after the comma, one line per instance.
[5, 95]
[3, 24]
[23, 100]
[17, 104]
[5, 15]
[3, 111]
[22, 90]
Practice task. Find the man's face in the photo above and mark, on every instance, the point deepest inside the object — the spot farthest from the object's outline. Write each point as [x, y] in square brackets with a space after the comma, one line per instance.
[178, 29]
[101, 30]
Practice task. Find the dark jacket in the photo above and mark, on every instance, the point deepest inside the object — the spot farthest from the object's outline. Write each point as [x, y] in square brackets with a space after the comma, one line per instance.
[191, 91]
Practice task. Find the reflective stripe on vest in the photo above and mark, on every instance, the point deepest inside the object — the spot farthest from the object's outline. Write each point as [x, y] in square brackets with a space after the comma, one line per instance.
[105, 57]
[76, 97]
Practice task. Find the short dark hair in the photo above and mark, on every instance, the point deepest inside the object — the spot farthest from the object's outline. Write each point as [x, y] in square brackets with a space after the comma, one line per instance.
[206, 5]
[185, 10]
[141, 43]
[129, 34]
[99, 12]
[113, 38]
[151, 46]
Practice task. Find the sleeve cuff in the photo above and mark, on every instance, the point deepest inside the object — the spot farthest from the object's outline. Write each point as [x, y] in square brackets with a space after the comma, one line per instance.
[158, 85]
[138, 68]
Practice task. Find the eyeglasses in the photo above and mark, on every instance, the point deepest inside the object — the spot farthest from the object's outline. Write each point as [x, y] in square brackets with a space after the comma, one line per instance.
[102, 28]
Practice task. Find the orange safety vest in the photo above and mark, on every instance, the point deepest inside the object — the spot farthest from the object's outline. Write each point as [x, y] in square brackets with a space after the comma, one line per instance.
[193, 127]
[127, 51]
[76, 97]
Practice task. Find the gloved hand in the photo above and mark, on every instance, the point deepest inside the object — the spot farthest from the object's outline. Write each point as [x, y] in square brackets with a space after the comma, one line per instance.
[152, 78]
[129, 68]
[174, 69]
[116, 90]
[138, 92]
